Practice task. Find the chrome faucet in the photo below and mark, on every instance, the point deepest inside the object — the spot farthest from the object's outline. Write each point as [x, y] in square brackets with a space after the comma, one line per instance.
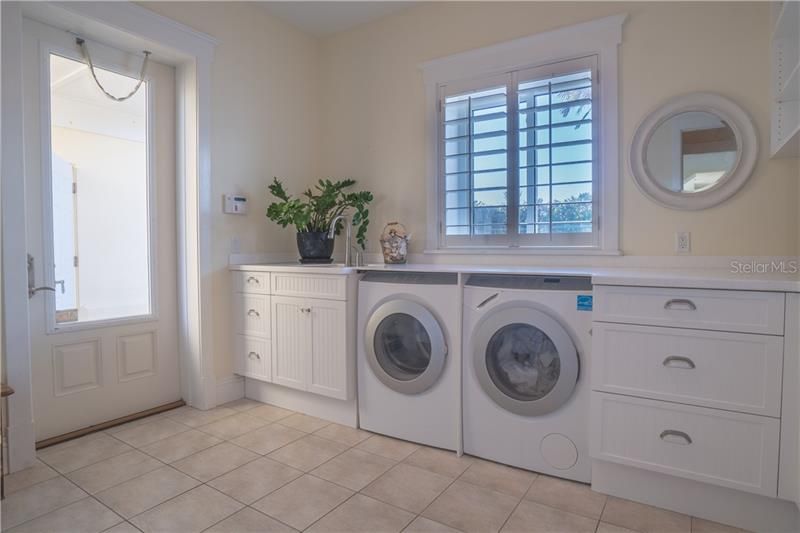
[348, 235]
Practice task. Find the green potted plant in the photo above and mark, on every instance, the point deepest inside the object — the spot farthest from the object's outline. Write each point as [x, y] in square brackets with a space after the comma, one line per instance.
[313, 212]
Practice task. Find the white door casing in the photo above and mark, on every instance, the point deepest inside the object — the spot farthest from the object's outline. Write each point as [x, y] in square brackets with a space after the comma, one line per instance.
[191, 52]
[88, 373]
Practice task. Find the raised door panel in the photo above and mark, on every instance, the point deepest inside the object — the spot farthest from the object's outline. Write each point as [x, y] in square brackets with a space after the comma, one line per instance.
[291, 345]
[329, 362]
[739, 311]
[734, 450]
[734, 371]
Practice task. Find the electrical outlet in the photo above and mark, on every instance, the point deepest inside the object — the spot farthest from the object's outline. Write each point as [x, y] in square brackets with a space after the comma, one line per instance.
[683, 242]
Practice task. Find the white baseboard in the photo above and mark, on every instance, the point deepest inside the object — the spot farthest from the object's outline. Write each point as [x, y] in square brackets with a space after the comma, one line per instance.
[343, 412]
[229, 389]
[719, 504]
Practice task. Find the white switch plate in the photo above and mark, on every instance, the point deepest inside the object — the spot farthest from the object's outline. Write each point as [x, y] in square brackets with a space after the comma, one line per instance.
[683, 242]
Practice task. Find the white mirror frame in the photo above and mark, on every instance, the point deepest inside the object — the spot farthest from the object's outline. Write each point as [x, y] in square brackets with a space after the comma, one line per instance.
[729, 184]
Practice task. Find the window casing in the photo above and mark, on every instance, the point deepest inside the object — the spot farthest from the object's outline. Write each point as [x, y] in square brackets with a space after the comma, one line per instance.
[536, 57]
[518, 158]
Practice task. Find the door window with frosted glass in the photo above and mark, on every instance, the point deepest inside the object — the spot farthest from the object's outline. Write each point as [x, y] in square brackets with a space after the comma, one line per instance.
[100, 200]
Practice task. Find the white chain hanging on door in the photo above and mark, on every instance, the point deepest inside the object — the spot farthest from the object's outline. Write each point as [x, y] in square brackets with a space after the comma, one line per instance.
[85, 51]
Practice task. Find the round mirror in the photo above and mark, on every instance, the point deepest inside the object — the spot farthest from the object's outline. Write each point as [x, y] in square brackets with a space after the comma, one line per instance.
[694, 152]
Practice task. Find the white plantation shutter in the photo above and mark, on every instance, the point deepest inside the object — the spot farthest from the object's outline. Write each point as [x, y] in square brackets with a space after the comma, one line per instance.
[475, 165]
[544, 191]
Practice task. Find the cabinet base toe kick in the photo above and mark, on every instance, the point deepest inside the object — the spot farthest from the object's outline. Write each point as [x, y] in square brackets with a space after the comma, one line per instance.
[736, 508]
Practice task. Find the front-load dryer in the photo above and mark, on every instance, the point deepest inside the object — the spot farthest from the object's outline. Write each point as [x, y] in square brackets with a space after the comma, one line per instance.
[526, 370]
[408, 384]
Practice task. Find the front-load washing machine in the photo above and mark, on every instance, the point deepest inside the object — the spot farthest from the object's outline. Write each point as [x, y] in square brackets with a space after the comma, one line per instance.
[408, 384]
[526, 372]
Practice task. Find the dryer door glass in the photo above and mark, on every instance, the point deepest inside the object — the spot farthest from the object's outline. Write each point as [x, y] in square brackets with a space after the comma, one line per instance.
[522, 362]
[402, 346]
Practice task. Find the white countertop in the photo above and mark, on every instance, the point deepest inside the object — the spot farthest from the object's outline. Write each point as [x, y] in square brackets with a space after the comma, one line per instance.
[643, 277]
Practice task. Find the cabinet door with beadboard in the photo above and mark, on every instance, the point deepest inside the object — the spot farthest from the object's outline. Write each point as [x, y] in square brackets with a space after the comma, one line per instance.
[328, 365]
[291, 342]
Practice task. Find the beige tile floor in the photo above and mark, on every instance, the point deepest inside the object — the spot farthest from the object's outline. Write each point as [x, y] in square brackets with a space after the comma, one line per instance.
[247, 467]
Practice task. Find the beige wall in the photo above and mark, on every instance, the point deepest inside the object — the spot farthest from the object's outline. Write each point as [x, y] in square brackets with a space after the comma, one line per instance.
[264, 124]
[374, 128]
[352, 105]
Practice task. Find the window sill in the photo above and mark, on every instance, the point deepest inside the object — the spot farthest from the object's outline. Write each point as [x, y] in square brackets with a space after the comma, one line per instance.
[524, 250]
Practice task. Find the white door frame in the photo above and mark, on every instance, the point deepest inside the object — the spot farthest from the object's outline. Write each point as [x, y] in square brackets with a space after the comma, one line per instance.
[121, 24]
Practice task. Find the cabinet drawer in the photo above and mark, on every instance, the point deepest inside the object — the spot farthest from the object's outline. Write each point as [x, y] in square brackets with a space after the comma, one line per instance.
[311, 285]
[253, 357]
[732, 450]
[251, 314]
[734, 371]
[251, 282]
[741, 311]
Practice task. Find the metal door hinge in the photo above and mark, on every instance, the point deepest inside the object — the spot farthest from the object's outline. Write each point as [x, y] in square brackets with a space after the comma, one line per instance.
[74, 187]
[75, 261]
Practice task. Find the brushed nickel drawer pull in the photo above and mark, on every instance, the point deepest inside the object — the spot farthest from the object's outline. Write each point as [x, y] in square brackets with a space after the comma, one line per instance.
[687, 363]
[675, 433]
[252, 279]
[251, 354]
[688, 304]
[305, 309]
[253, 312]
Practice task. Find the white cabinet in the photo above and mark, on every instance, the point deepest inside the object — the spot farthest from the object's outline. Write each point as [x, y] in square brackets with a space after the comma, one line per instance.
[733, 371]
[296, 330]
[687, 382]
[291, 343]
[310, 345]
[328, 359]
[251, 331]
[252, 357]
[733, 450]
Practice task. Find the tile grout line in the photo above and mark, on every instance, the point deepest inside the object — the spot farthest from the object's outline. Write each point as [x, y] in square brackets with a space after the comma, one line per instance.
[602, 511]
[87, 495]
[258, 456]
[521, 499]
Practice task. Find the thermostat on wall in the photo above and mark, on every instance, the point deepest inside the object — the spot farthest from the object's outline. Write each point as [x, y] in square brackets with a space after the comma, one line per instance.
[235, 204]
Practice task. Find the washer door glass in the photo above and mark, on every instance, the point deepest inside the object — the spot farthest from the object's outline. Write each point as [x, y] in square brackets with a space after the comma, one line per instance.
[405, 345]
[523, 362]
[402, 346]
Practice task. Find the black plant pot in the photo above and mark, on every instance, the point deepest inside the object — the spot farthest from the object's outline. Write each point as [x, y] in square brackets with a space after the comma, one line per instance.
[315, 247]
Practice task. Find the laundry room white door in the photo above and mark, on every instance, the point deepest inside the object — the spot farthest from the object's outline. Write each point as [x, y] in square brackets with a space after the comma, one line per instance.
[100, 232]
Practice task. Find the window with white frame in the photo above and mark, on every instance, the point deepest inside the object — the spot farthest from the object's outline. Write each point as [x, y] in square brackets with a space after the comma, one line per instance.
[518, 158]
[521, 161]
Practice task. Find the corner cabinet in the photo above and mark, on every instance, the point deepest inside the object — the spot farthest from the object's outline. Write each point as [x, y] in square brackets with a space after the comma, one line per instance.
[296, 330]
